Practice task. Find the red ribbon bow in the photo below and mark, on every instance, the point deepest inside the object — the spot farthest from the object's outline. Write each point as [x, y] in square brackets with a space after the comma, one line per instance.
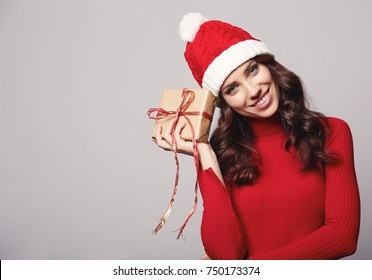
[187, 98]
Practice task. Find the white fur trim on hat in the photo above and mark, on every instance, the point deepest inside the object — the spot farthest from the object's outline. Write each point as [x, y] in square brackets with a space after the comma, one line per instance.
[190, 25]
[229, 60]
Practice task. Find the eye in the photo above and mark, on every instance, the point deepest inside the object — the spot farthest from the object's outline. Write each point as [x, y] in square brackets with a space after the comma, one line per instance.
[253, 69]
[231, 89]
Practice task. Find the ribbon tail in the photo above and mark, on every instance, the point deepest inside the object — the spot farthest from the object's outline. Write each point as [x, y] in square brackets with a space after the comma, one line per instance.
[196, 160]
[165, 216]
[175, 186]
[182, 227]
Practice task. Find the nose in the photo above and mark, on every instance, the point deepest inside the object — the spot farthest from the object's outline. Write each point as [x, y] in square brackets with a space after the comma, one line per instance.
[253, 90]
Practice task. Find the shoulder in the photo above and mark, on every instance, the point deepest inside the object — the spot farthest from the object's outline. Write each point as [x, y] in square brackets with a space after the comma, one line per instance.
[336, 124]
[338, 129]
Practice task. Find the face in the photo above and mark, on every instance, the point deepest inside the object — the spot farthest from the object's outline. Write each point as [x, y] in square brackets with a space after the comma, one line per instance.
[250, 91]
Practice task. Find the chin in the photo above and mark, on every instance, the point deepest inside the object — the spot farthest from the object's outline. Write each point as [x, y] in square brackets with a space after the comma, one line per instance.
[266, 115]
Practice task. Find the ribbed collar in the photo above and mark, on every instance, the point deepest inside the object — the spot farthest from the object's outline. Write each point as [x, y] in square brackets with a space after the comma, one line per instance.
[266, 129]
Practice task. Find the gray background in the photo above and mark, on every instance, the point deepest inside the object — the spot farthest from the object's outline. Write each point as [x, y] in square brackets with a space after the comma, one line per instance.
[79, 175]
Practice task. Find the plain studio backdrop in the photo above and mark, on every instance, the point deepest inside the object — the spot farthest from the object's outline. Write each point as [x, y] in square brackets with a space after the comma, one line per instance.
[80, 177]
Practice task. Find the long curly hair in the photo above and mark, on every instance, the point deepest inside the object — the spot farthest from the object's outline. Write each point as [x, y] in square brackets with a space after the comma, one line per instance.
[305, 130]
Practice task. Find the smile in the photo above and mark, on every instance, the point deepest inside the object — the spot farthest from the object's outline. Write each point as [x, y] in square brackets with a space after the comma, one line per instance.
[263, 101]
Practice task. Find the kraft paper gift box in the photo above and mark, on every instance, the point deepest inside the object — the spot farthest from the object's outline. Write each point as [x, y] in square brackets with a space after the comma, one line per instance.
[199, 111]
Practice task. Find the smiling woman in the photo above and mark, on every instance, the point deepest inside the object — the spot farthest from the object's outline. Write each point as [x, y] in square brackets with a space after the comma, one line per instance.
[277, 179]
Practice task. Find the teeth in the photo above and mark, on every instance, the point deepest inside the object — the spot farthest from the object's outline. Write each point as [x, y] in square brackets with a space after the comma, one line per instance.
[262, 100]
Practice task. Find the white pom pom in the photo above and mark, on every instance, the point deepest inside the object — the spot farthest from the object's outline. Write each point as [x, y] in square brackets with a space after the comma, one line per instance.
[189, 26]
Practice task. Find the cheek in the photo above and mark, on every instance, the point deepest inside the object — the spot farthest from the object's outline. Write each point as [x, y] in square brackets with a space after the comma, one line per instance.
[277, 92]
[234, 101]
[267, 75]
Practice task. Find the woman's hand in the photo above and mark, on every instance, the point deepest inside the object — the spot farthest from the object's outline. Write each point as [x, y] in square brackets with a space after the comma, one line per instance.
[165, 142]
[207, 157]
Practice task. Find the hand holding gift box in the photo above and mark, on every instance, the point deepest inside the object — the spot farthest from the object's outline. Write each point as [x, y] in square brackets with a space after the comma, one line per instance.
[195, 108]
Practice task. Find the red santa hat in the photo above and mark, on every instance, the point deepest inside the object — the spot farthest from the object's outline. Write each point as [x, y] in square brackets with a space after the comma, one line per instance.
[214, 49]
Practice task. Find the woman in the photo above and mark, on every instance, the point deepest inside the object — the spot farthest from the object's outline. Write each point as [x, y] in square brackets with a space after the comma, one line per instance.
[277, 179]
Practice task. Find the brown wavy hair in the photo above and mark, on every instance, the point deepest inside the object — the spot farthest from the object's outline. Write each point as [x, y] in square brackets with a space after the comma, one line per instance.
[306, 131]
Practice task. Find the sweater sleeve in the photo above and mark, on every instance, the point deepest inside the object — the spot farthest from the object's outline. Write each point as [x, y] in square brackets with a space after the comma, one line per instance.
[221, 230]
[338, 236]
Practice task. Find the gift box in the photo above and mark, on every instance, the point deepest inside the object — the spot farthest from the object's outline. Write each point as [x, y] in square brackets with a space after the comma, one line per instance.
[195, 107]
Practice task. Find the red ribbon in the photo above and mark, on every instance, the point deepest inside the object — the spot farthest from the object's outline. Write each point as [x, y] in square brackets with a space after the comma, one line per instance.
[187, 98]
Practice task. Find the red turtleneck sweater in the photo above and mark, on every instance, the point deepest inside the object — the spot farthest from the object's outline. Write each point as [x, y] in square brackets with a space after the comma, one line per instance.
[285, 214]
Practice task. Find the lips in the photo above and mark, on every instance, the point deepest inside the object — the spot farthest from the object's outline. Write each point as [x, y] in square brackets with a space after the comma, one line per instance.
[262, 101]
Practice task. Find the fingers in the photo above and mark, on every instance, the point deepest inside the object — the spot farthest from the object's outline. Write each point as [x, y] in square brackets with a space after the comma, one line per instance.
[160, 141]
[167, 136]
[164, 139]
[177, 132]
[183, 146]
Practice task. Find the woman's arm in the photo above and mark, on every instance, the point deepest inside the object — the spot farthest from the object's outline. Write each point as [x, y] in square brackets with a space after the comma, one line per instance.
[221, 230]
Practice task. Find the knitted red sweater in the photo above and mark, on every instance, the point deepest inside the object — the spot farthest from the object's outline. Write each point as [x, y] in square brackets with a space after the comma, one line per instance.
[285, 214]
